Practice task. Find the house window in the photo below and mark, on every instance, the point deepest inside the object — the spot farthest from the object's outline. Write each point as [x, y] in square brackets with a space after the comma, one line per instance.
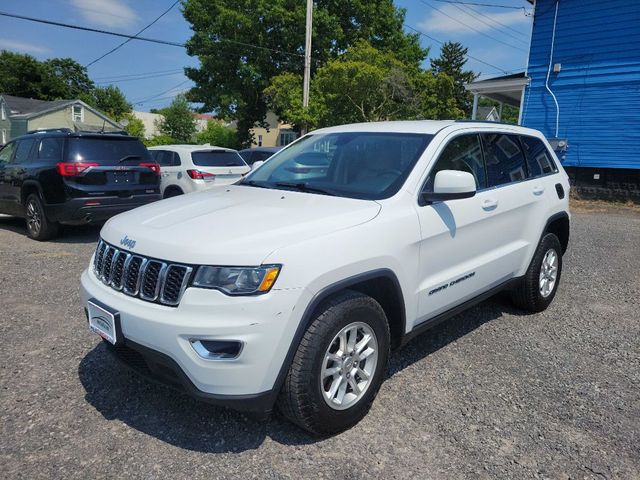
[286, 138]
[77, 113]
[259, 140]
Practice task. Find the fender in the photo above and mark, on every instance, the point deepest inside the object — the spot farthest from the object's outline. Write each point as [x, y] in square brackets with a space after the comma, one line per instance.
[31, 183]
[317, 299]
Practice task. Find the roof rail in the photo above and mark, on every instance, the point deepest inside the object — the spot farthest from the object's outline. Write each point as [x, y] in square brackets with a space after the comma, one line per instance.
[490, 122]
[48, 130]
[106, 132]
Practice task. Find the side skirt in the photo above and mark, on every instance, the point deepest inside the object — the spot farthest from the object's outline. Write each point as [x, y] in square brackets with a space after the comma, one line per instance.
[432, 322]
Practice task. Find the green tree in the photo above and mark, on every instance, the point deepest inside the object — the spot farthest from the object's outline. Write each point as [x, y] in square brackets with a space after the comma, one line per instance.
[219, 135]
[64, 79]
[233, 75]
[160, 140]
[110, 100]
[362, 85]
[20, 75]
[510, 113]
[452, 59]
[177, 121]
[135, 126]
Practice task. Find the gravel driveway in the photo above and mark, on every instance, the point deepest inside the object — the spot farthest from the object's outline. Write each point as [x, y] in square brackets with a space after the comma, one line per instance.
[492, 393]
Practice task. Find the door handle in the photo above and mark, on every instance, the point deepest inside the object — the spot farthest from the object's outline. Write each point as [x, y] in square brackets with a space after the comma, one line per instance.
[489, 204]
[538, 190]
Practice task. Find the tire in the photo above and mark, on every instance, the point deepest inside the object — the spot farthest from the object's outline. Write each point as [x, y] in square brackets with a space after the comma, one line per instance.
[172, 192]
[531, 294]
[302, 399]
[39, 227]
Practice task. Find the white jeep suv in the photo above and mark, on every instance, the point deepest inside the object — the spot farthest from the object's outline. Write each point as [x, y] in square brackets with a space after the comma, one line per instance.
[292, 292]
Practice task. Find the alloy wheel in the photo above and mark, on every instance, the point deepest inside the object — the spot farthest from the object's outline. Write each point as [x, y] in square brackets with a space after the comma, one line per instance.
[349, 365]
[548, 272]
[34, 217]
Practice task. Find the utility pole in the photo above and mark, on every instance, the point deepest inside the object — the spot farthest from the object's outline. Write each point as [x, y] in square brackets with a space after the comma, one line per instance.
[307, 58]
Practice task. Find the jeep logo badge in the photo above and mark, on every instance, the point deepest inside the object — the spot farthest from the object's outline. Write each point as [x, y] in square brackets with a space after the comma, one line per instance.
[127, 242]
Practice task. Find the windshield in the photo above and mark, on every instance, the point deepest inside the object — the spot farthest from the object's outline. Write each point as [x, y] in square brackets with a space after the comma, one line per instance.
[108, 150]
[363, 165]
[217, 158]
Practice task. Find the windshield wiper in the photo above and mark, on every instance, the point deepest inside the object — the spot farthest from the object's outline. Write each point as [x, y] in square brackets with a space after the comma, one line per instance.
[305, 187]
[129, 157]
[252, 183]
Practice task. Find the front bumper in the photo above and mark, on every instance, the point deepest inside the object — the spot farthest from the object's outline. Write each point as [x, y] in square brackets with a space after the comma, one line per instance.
[158, 338]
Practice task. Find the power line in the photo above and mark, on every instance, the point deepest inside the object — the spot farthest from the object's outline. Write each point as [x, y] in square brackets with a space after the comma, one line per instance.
[144, 39]
[440, 42]
[140, 74]
[470, 27]
[135, 79]
[139, 102]
[490, 5]
[135, 36]
[478, 12]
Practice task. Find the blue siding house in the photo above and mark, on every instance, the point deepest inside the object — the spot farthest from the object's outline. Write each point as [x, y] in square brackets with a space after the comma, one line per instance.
[582, 87]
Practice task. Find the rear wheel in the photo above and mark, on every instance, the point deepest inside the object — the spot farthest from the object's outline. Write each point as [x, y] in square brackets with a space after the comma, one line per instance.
[540, 283]
[338, 367]
[39, 227]
[172, 192]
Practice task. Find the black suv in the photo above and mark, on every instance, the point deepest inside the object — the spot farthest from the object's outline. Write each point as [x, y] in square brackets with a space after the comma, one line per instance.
[63, 177]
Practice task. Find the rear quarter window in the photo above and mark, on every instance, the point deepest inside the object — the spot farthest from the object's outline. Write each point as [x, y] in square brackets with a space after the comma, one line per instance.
[217, 158]
[539, 160]
[504, 159]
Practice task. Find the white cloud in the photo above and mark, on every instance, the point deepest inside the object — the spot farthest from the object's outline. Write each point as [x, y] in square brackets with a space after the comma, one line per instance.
[106, 13]
[440, 22]
[21, 46]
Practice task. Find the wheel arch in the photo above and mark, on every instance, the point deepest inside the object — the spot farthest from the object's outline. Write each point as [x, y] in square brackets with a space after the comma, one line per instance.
[559, 225]
[29, 187]
[380, 284]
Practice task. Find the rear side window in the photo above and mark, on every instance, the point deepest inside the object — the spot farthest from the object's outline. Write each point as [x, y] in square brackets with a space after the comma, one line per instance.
[539, 159]
[464, 154]
[7, 152]
[50, 149]
[504, 159]
[108, 151]
[165, 158]
[217, 158]
[22, 150]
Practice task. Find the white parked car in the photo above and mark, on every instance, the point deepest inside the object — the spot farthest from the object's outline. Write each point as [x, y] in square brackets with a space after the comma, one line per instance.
[189, 168]
[287, 292]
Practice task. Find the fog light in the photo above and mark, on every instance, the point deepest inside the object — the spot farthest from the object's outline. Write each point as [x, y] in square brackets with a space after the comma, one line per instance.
[217, 349]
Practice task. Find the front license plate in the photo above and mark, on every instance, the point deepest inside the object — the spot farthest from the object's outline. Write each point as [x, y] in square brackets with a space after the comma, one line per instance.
[104, 321]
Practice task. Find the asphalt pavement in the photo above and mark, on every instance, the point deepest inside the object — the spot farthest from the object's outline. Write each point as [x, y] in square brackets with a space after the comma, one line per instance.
[493, 393]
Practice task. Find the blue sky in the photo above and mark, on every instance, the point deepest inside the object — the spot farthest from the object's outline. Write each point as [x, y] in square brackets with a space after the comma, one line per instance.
[497, 36]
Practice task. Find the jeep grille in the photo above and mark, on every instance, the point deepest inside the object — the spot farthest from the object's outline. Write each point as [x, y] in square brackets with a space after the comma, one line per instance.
[139, 276]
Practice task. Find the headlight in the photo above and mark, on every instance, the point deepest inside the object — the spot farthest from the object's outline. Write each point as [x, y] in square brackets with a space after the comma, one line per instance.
[237, 280]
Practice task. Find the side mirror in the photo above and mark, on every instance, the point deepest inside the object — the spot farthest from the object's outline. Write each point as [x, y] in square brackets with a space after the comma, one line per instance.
[256, 164]
[450, 185]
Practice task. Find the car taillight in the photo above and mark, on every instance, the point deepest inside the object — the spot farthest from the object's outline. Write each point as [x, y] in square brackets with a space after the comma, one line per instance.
[199, 175]
[153, 166]
[73, 169]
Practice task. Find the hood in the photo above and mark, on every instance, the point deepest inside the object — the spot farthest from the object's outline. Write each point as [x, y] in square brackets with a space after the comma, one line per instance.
[235, 225]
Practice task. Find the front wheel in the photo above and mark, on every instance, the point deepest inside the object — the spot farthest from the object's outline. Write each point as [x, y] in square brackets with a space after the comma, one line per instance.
[539, 285]
[39, 227]
[338, 367]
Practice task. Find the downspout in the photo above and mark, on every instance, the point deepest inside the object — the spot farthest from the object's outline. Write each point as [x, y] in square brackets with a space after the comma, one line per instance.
[553, 40]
